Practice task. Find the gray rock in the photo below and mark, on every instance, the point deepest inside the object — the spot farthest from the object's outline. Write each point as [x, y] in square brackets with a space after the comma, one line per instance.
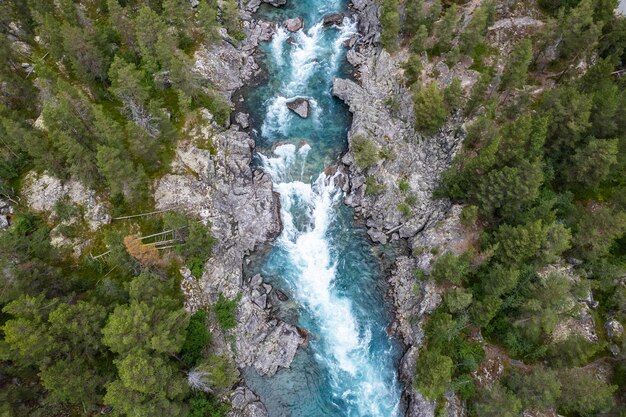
[243, 119]
[262, 341]
[334, 19]
[415, 159]
[194, 3]
[246, 404]
[238, 202]
[43, 191]
[295, 24]
[299, 106]
[614, 329]
[276, 3]
[4, 222]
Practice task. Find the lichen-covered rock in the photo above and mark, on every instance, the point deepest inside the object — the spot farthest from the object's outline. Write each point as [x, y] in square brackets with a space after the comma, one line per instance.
[43, 192]
[614, 329]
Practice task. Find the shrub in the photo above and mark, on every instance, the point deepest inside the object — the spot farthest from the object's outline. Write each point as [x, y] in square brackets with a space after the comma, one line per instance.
[430, 109]
[450, 267]
[365, 152]
[372, 186]
[469, 215]
[584, 393]
[225, 311]
[433, 374]
[404, 209]
[458, 299]
[196, 339]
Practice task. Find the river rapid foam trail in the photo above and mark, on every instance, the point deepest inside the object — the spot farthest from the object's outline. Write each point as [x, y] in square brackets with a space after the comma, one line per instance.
[322, 260]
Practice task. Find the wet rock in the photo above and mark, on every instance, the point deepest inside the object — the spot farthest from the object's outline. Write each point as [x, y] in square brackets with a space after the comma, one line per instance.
[276, 3]
[614, 329]
[333, 19]
[246, 404]
[295, 24]
[349, 43]
[263, 341]
[299, 106]
[281, 295]
[243, 119]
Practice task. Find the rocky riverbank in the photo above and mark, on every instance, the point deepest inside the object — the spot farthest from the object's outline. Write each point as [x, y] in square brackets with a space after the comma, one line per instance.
[402, 207]
[212, 177]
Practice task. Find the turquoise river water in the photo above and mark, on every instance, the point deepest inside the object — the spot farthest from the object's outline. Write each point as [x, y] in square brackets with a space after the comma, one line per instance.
[322, 260]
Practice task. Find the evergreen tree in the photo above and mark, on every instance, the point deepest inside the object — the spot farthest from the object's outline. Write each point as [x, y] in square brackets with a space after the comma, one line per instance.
[516, 70]
[414, 16]
[430, 109]
[433, 374]
[592, 163]
[476, 29]
[498, 401]
[445, 29]
[390, 22]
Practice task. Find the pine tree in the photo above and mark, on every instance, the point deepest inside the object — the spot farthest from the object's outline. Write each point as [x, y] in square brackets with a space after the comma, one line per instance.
[390, 22]
[414, 16]
[445, 29]
[475, 31]
[430, 109]
[516, 70]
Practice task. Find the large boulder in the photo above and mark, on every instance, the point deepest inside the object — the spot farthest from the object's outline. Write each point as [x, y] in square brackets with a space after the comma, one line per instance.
[299, 106]
[334, 19]
[614, 329]
[295, 24]
[246, 404]
[263, 341]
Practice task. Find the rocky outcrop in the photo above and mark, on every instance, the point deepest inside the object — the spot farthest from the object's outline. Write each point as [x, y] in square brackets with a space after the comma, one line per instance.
[614, 329]
[220, 186]
[246, 404]
[299, 106]
[409, 157]
[262, 341]
[227, 68]
[43, 191]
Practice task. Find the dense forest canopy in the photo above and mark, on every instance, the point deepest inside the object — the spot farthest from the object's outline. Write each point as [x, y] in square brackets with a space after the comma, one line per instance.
[102, 100]
[541, 174]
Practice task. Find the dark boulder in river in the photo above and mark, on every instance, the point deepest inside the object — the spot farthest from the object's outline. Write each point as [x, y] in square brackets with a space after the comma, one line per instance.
[299, 106]
[334, 19]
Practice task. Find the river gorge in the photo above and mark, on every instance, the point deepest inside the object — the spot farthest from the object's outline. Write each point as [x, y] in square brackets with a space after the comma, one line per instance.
[322, 259]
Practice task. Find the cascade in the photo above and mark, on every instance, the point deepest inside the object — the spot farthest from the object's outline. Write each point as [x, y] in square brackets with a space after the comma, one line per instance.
[322, 259]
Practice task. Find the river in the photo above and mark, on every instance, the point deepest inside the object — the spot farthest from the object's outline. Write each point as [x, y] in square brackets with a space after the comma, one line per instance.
[322, 260]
